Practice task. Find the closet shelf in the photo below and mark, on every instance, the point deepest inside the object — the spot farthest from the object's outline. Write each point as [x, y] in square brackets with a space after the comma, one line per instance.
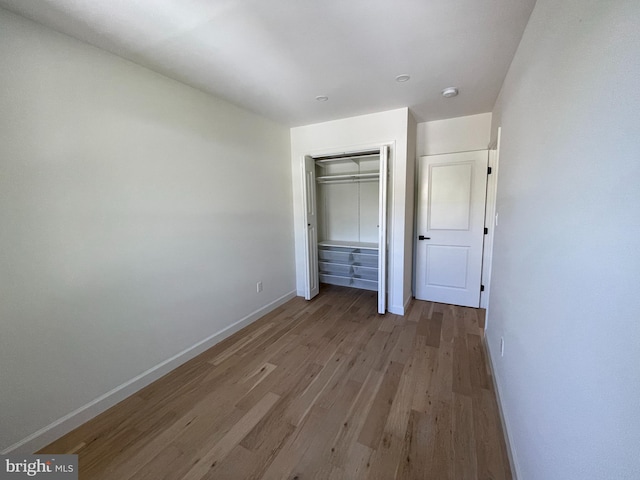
[350, 264]
[324, 162]
[348, 177]
[349, 244]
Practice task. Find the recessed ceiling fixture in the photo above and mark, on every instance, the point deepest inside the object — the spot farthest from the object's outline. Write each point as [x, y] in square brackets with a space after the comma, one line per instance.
[450, 92]
[322, 98]
[403, 78]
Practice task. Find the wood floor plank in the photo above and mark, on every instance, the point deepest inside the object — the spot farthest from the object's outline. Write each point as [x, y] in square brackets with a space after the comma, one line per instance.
[464, 445]
[162, 462]
[461, 380]
[431, 328]
[369, 358]
[425, 360]
[358, 465]
[404, 346]
[488, 437]
[241, 343]
[459, 322]
[384, 353]
[281, 380]
[353, 422]
[260, 455]
[386, 459]
[315, 462]
[306, 400]
[277, 417]
[478, 374]
[441, 465]
[442, 385]
[371, 433]
[209, 457]
[414, 312]
[238, 465]
[387, 324]
[447, 333]
[295, 447]
[324, 389]
[413, 460]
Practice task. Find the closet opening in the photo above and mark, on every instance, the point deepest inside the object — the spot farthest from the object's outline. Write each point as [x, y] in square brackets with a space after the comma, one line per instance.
[346, 221]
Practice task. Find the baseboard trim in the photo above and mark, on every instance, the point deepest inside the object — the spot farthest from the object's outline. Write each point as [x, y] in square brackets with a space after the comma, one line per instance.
[407, 302]
[507, 440]
[64, 425]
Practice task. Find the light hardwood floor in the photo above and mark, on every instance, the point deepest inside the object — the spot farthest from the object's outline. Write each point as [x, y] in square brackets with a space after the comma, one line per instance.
[326, 389]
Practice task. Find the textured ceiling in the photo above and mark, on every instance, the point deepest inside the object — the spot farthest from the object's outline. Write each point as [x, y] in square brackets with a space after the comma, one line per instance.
[275, 56]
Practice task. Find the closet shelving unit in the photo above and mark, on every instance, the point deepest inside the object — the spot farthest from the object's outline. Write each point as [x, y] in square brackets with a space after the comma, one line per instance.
[351, 264]
[350, 220]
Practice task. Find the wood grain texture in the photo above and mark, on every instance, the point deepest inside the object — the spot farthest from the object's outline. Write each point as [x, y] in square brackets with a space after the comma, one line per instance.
[326, 389]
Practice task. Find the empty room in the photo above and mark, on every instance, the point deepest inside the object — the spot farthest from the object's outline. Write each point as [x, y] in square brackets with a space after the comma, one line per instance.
[287, 239]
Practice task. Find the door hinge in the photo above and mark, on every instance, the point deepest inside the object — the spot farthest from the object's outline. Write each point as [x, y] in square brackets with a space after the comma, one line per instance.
[486, 230]
[488, 170]
[482, 288]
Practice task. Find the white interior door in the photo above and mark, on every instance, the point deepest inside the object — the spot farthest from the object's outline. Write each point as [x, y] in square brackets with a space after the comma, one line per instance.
[382, 231]
[311, 229]
[451, 204]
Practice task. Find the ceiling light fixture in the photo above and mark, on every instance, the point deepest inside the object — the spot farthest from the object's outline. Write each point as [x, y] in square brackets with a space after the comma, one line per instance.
[403, 78]
[450, 92]
[322, 98]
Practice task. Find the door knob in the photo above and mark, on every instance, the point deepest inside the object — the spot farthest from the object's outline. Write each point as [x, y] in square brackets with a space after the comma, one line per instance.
[422, 237]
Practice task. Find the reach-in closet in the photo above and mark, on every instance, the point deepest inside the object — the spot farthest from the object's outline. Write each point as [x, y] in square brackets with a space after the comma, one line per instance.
[346, 216]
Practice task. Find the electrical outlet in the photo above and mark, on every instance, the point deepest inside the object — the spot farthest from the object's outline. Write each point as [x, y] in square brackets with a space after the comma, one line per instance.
[502, 346]
[259, 287]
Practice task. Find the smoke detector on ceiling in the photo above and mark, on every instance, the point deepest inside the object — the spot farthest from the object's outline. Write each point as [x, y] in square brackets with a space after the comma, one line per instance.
[450, 92]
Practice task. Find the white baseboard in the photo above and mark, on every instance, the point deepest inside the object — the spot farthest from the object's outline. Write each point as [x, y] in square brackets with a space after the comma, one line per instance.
[407, 302]
[64, 425]
[399, 310]
[503, 421]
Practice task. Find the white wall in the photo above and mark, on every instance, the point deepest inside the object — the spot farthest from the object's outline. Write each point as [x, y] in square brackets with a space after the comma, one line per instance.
[137, 215]
[460, 134]
[566, 267]
[410, 203]
[349, 134]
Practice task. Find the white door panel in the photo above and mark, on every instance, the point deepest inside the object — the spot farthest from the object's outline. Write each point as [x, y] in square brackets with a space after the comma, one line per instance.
[312, 287]
[447, 266]
[382, 229]
[451, 198]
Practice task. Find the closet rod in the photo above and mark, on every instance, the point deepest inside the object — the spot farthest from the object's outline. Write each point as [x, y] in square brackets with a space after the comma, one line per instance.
[349, 176]
[347, 180]
[338, 156]
[322, 161]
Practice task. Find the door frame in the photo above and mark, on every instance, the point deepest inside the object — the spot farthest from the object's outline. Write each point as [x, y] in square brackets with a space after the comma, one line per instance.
[490, 222]
[480, 214]
[387, 243]
[310, 201]
[383, 220]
